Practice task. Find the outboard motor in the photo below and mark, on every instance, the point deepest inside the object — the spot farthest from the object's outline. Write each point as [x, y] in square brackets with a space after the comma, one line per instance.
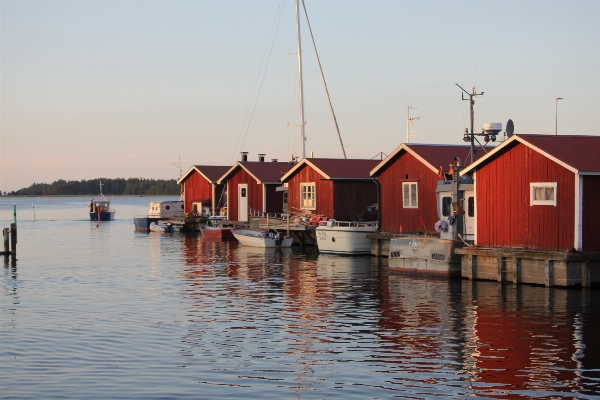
[279, 238]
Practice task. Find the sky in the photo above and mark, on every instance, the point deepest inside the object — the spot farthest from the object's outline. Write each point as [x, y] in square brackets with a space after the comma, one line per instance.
[123, 89]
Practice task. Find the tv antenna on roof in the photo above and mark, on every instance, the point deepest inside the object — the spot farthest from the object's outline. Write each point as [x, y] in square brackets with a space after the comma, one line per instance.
[470, 137]
[410, 119]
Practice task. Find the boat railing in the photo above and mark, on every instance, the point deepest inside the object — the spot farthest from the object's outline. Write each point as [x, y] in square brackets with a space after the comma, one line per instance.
[345, 224]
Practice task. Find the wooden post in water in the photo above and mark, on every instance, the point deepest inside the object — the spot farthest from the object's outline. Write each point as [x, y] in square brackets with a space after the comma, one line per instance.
[267, 222]
[288, 223]
[6, 245]
[13, 241]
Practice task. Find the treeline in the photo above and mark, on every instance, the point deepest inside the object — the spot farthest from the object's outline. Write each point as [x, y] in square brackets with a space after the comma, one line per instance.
[131, 186]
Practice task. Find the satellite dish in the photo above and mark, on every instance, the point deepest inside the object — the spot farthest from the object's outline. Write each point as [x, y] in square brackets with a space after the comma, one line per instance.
[510, 128]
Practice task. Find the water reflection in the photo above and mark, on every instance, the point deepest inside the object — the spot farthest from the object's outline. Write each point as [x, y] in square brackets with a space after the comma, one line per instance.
[329, 322]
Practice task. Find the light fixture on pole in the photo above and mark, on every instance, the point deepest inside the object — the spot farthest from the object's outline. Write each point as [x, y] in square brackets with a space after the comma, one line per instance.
[556, 117]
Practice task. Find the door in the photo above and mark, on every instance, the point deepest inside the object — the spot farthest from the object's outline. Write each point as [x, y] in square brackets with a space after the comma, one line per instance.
[243, 202]
[469, 207]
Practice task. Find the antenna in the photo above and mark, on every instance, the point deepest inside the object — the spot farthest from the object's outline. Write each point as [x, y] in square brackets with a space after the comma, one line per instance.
[470, 137]
[181, 193]
[410, 120]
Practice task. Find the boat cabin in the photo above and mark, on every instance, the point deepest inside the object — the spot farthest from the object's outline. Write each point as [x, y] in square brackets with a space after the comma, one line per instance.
[338, 189]
[539, 192]
[252, 188]
[202, 195]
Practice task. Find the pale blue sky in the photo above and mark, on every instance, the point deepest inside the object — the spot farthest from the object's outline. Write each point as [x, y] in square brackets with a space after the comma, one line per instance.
[122, 88]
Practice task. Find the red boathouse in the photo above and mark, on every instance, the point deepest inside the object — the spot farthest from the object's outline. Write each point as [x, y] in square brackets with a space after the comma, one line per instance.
[408, 181]
[539, 192]
[336, 188]
[200, 187]
[251, 188]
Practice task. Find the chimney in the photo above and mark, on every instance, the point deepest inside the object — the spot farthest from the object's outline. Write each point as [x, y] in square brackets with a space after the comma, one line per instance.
[273, 159]
[261, 158]
[244, 155]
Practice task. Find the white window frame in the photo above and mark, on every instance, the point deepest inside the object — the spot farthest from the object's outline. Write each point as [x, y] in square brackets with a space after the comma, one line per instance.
[533, 186]
[302, 196]
[409, 184]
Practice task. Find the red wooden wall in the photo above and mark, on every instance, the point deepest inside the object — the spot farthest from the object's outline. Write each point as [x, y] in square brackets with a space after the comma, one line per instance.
[323, 189]
[393, 216]
[196, 188]
[254, 193]
[504, 216]
[351, 199]
[591, 213]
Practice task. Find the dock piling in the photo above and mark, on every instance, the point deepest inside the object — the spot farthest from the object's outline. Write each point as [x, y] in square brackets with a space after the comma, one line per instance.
[13, 240]
[5, 233]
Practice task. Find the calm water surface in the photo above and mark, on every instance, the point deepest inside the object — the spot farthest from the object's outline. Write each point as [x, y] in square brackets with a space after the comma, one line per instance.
[107, 312]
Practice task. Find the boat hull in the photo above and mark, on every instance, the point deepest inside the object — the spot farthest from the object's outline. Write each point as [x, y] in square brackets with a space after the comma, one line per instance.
[143, 223]
[255, 238]
[424, 255]
[350, 240]
[209, 232]
[104, 216]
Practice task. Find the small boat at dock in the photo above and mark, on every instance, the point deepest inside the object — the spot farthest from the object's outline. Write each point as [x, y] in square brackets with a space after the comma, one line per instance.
[158, 211]
[345, 237]
[214, 229]
[257, 238]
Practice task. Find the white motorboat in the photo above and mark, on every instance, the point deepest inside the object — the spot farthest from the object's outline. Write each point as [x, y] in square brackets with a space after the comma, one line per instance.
[154, 227]
[345, 237]
[158, 211]
[257, 238]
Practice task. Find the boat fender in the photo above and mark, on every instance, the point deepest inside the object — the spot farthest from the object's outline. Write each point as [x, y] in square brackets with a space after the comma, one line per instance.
[441, 226]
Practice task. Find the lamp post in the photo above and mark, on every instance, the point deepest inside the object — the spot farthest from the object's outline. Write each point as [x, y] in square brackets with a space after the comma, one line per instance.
[556, 117]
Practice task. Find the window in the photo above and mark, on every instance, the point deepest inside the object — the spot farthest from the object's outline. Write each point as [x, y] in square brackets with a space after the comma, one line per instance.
[446, 206]
[542, 194]
[471, 205]
[307, 196]
[409, 190]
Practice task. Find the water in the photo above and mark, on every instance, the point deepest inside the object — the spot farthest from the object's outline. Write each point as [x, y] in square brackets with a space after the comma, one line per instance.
[106, 312]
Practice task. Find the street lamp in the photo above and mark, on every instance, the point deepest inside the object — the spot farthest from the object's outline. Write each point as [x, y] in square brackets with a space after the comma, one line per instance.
[556, 116]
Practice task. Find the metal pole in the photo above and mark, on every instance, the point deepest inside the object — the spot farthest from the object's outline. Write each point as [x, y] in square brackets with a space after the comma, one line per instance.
[556, 117]
[300, 80]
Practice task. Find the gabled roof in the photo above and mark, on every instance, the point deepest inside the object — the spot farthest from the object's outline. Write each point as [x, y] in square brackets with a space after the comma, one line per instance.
[262, 172]
[335, 168]
[211, 173]
[431, 155]
[578, 154]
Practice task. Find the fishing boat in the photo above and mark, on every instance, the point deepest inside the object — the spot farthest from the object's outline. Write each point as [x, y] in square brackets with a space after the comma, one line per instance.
[100, 208]
[214, 229]
[158, 211]
[455, 200]
[345, 237]
[257, 238]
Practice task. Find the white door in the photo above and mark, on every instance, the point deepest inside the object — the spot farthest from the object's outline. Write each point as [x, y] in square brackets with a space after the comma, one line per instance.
[243, 202]
[469, 207]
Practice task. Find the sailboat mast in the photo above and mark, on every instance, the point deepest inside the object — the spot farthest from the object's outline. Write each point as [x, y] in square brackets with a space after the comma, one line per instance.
[302, 123]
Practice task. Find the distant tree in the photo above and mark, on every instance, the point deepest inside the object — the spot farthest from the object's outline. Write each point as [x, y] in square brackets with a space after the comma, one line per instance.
[131, 186]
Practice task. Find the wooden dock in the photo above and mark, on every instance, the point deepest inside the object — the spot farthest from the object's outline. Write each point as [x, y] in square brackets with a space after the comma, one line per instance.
[548, 268]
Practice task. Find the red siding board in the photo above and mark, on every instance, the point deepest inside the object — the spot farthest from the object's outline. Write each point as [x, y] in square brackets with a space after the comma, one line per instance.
[338, 199]
[505, 218]
[591, 213]
[394, 217]
[323, 189]
[196, 188]
[254, 193]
